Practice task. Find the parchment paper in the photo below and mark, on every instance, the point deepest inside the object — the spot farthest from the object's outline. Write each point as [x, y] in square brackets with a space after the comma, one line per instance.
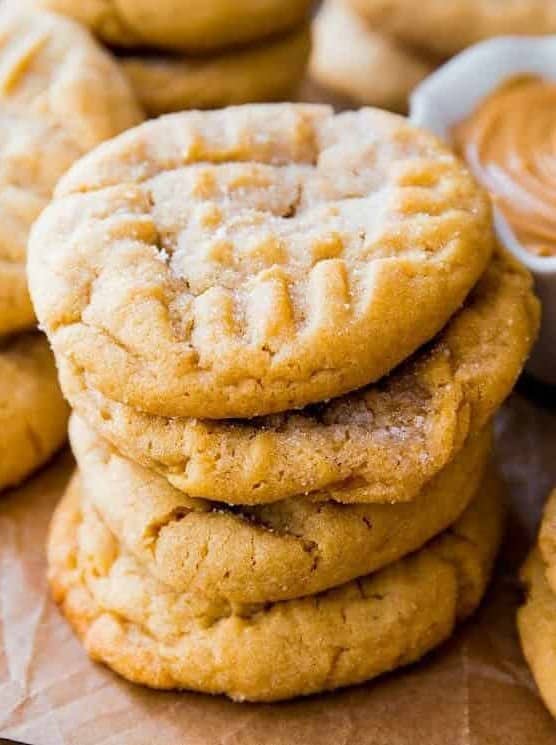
[476, 690]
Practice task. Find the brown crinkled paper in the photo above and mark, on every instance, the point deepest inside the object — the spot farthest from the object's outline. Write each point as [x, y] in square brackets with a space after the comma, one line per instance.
[475, 690]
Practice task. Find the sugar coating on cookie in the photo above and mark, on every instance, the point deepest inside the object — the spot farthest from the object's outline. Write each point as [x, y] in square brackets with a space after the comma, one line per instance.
[352, 59]
[289, 549]
[60, 95]
[187, 25]
[381, 444]
[152, 635]
[33, 413]
[445, 27]
[268, 71]
[255, 259]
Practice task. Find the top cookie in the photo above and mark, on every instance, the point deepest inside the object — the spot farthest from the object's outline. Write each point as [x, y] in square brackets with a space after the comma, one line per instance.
[60, 95]
[256, 259]
[445, 27]
[187, 25]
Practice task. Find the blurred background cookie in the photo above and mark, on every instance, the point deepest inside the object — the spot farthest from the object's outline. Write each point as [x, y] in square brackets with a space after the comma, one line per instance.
[188, 55]
[60, 95]
[537, 616]
[265, 71]
[445, 27]
[183, 25]
[33, 413]
[350, 59]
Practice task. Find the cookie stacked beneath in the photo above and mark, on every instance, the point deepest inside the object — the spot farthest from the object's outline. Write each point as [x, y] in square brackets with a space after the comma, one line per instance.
[537, 617]
[201, 55]
[60, 95]
[284, 334]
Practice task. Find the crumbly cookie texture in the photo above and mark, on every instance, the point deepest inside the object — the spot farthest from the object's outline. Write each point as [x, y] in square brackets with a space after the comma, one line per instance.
[285, 550]
[445, 28]
[268, 71]
[33, 413]
[187, 25]
[60, 95]
[153, 635]
[381, 444]
[536, 621]
[353, 60]
[255, 259]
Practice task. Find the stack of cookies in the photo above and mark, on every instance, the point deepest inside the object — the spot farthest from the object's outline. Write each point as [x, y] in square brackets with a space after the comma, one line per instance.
[60, 95]
[284, 334]
[537, 618]
[185, 54]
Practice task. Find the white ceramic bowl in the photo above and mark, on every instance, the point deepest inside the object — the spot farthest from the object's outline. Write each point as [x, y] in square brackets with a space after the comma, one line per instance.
[452, 93]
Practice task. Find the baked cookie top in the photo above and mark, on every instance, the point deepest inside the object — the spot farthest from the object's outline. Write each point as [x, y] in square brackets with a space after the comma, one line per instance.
[153, 635]
[255, 259]
[33, 413]
[381, 444]
[285, 550]
[187, 25]
[444, 27]
[60, 94]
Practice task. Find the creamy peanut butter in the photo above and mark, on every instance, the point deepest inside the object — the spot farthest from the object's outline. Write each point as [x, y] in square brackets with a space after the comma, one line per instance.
[510, 144]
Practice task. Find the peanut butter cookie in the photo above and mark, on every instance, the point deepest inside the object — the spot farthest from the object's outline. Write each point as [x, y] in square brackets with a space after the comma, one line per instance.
[152, 635]
[289, 549]
[445, 27]
[353, 60]
[268, 71]
[33, 413]
[381, 444]
[255, 259]
[188, 25]
[537, 628]
[60, 95]
[547, 540]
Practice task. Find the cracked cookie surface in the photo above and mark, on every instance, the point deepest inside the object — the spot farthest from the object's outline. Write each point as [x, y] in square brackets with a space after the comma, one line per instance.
[60, 94]
[381, 444]
[445, 28]
[187, 25]
[289, 549]
[255, 259]
[269, 71]
[152, 635]
[33, 413]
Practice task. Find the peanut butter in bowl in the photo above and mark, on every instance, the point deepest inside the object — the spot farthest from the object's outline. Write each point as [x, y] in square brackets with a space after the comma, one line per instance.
[496, 104]
[509, 141]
